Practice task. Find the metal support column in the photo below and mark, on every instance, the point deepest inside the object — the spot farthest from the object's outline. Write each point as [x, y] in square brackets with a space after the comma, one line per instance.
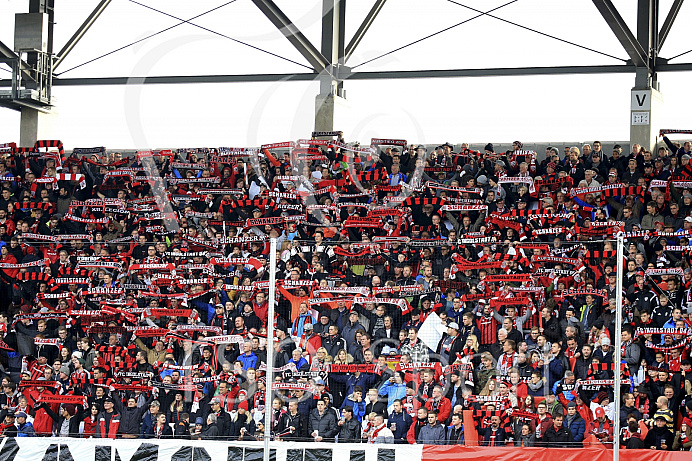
[331, 99]
[647, 36]
[647, 102]
[34, 39]
[643, 51]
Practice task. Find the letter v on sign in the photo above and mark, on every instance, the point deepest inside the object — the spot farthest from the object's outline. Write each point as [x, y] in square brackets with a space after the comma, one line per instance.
[641, 100]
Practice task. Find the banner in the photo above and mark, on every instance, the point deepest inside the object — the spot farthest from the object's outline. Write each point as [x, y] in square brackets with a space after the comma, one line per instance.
[70, 449]
[66, 399]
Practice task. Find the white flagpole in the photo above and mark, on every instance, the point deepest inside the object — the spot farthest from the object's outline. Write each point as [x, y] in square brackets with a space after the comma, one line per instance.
[617, 353]
[268, 394]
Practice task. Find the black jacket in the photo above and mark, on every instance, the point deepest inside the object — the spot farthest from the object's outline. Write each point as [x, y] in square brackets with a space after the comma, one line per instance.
[182, 430]
[300, 433]
[656, 435]
[560, 438]
[455, 436]
[166, 434]
[58, 420]
[211, 432]
[223, 423]
[551, 330]
[379, 407]
[131, 418]
[350, 431]
[325, 424]
[334, 344]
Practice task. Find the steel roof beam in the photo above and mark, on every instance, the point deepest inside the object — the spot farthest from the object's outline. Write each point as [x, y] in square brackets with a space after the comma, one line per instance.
[293, 34]
[88, 22]
[629, 42]
[668, 23]
[407, 74]
[364, 27]
[7, 55]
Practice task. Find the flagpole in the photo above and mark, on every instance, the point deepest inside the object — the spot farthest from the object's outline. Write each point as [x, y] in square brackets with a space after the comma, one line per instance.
[617, 353]
[268, 393]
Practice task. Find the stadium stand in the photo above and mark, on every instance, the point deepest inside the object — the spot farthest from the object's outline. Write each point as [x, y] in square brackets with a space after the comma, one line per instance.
[438, 298]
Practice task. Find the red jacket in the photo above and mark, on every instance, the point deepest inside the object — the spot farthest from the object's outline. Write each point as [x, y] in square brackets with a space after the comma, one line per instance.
[543, 426]
[89, 427]
[314, 342]
[10, 259]
[444, 408]
[592, 428]
[261, 311]
[43, 423]
[412, 433]
[585, 413]
[113, 426]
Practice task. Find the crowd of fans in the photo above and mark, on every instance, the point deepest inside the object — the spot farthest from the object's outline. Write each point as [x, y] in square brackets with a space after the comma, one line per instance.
[134, 293]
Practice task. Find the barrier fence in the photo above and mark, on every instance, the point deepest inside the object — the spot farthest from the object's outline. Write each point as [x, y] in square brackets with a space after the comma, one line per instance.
[66, 449]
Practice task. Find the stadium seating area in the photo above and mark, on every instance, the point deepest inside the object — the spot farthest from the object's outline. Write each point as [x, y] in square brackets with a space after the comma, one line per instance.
[441, 297]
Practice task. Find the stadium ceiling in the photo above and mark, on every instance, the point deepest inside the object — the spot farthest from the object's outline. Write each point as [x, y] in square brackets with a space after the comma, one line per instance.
[329, 62]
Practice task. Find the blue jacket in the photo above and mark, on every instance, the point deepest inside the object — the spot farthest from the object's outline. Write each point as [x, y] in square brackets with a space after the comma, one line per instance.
[365, 380]
[403, 423]
[26, 430]
[147, 423]
[393, 391]
[297, 329]
[248, 361]
[578, 427]
[306, 405]
[555, 369]
[206, 310]
[358, 407]
[301, 365]
[455, 316]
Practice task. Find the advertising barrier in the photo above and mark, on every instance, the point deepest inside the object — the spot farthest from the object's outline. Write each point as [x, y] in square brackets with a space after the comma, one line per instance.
[66, 449]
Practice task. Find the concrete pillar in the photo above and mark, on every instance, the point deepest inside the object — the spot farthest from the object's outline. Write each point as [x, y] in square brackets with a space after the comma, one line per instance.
[329, 112]
[645, 110]
[35, 125]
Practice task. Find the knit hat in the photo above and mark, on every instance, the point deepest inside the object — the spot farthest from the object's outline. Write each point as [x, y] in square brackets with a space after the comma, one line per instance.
[69, 408]
[489, 147]
[243, 405]
[600, 397]
[199, 420]
[65, 369]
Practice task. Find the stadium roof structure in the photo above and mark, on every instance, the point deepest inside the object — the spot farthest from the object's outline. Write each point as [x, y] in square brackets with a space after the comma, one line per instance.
[301, 42]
